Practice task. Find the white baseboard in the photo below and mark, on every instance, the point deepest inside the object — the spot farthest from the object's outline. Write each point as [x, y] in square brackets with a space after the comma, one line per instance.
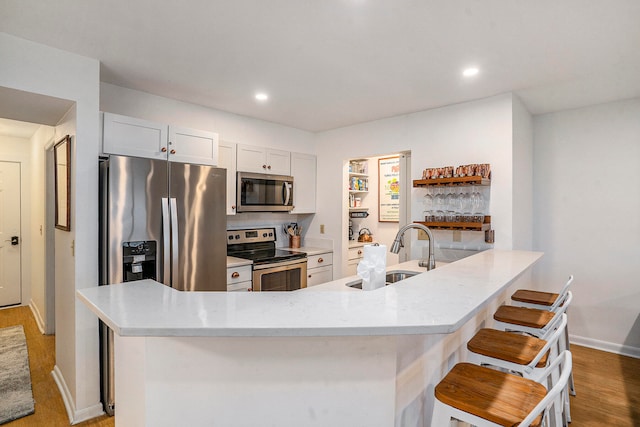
[37, 316]
[75, 416]
[621, 349]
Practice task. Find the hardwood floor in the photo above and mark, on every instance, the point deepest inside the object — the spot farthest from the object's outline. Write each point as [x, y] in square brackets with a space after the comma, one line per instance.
[50, 410]
[608, 385]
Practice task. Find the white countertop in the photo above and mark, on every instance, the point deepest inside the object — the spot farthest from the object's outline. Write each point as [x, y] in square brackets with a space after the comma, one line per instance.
[438, 301]
[237, 262]
[309, 250]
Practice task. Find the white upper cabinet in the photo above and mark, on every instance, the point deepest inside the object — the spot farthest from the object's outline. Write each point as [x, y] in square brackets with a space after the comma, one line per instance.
[142, 138]
[263, 160]
[303, 170]
[134, 137]
[227, 160]
[193, 146]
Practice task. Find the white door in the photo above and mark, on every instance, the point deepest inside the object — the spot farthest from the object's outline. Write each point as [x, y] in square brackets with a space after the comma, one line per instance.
[10, 280]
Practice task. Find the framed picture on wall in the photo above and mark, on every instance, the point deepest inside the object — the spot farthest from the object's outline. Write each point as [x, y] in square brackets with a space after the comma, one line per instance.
[62, 160]
[389, 189]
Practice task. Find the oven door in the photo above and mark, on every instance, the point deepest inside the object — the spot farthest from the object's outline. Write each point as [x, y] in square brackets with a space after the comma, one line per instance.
[280, 276]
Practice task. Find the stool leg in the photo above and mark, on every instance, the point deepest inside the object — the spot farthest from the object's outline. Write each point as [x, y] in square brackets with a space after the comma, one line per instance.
[441, 415]
[572, 386]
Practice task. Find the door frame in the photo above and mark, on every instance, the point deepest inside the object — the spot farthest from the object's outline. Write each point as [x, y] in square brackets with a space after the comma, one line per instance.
[50, 242]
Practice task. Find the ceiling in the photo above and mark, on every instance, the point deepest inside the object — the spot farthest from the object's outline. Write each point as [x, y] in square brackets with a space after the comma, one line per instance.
[332, 63]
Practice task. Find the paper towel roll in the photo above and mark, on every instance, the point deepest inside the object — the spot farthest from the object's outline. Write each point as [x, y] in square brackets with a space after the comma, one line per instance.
[373, 267]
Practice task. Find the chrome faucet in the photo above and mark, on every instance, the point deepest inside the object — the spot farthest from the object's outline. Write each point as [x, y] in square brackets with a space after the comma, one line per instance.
[398, 244]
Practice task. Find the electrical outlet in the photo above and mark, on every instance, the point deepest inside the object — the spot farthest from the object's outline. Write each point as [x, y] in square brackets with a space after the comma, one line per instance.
[321, 228]
[457, 235]
[422, 235]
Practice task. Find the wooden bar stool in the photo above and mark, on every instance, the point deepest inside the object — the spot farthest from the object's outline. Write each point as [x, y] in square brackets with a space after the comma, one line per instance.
[538, 299]
[537, 323]
[522, 354]
[485, 397]
[545, 301]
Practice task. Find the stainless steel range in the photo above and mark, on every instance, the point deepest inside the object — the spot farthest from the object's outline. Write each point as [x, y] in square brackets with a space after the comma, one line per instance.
[274, 269]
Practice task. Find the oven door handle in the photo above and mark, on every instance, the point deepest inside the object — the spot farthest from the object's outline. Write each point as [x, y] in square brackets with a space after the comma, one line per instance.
[278, 264]
[286, 192]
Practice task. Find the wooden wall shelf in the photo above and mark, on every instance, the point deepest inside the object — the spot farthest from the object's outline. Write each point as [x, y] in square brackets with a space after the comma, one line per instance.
[464, 180]
[470, 226]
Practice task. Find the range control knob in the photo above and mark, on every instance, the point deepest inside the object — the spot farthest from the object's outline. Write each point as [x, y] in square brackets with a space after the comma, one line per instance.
[237, 236]
[264, 234]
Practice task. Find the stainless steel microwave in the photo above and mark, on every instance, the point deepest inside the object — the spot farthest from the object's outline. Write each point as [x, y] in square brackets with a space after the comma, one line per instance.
[259, 192]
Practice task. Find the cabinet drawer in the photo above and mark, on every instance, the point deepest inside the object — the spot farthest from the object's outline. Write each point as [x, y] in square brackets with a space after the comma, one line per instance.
[320, 260]
[240, 287]
[238, 274]
[356, 253]
[318, 275]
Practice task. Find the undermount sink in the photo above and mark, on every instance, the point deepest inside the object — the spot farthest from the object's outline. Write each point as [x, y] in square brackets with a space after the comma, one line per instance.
[393, 276]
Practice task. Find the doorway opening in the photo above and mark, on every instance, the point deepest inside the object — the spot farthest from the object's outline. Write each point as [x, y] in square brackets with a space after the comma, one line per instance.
[378, 204]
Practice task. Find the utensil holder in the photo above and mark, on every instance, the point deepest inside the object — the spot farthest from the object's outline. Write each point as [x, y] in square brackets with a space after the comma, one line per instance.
[294, 241]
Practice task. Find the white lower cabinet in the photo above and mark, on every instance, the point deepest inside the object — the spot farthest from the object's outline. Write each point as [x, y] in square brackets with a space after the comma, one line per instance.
[319, 269]
[354, 257]
[239, 279]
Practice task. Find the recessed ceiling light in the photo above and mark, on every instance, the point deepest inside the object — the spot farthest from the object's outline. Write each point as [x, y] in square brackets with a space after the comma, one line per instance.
[262, 96]
[469, 72]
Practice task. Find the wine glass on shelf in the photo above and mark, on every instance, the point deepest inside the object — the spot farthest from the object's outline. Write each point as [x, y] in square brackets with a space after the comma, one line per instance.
[428, 206]
[451, 201]
[439, 205]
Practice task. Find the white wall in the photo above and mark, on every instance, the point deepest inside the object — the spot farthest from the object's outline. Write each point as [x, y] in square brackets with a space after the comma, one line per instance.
[38, 141]
[473, 132]
[39, 69]
[587, 218]
[522, 176]
[230, 127]
[18, 150]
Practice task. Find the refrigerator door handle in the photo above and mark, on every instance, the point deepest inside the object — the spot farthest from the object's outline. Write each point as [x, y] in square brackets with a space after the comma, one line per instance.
[166, 241]
[174, 242]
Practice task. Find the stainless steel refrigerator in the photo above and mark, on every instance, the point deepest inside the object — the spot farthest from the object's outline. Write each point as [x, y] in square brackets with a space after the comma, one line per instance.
[159, 220]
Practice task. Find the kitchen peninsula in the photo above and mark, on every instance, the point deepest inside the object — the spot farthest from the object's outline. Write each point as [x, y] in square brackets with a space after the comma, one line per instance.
[339, 357]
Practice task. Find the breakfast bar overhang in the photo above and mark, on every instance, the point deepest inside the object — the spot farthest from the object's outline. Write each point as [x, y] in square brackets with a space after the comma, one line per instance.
[338, 357]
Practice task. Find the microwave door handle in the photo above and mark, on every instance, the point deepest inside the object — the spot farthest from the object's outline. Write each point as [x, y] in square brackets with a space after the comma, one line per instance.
[166, 243]
[287, 192]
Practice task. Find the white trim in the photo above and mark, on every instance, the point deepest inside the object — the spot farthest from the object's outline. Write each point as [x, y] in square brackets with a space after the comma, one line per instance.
[624, 350]
[37, 316]
[74, 415]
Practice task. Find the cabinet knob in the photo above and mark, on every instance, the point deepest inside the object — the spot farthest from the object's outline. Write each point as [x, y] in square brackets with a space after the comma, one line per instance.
[163, 149]
[269, 167]
[235, 275]
[359, 252]
[320, 260]
[264, 166]
[172, 152]
[233, 206]
[309, 276]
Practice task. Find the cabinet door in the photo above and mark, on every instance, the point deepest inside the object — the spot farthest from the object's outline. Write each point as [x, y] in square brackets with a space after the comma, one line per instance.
[316, 276]
[227, 160]
[251, 159]
[303, 170]
[193, 146]
[278, 162]
[134, 137]
[352, 267]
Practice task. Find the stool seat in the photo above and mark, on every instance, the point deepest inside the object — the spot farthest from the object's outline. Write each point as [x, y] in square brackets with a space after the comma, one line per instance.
[534, 297]
[514, 348]
[529, 317]
[501, 398]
